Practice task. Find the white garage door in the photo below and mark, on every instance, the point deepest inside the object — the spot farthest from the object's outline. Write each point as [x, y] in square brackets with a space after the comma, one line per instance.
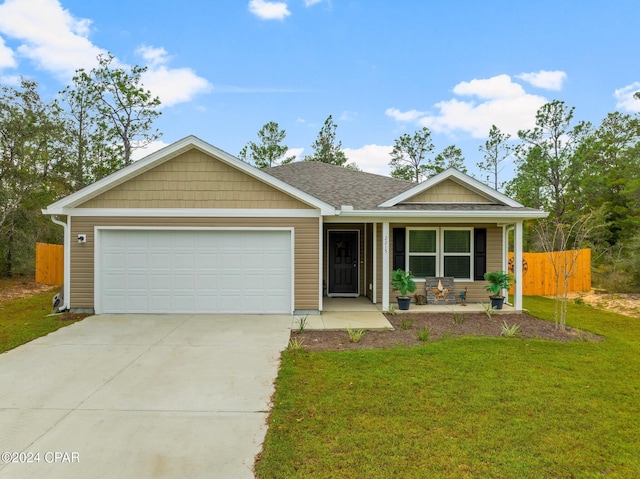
[161, 271]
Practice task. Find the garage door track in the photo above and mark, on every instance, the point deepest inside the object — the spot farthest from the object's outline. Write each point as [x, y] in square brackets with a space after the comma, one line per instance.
[140, 396]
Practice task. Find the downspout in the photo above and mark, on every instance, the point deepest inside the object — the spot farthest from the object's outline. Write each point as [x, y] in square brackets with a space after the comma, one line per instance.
[65, 286]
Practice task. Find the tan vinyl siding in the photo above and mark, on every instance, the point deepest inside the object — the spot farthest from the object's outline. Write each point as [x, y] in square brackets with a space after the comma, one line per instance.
[305, 256]
[448, 192]
[475, 289]
[194, 180]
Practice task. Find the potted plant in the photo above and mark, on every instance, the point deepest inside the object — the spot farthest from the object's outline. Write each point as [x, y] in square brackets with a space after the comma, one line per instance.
[403, 281]
[498, 280]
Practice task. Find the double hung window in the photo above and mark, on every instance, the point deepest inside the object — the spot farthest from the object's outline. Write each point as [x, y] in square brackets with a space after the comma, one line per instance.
[440, 251]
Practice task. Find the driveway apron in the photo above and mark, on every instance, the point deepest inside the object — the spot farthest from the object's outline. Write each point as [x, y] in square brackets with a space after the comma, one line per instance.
[140, 396]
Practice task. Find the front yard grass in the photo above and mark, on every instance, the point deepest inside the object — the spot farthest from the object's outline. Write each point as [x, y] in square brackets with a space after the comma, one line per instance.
[464, 408]
[25, 319]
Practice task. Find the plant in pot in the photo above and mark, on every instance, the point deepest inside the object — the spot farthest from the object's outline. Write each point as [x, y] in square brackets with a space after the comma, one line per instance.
[403, 281]
[498, 280]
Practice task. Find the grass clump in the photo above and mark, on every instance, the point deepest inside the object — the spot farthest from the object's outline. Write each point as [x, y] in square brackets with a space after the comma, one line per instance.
[355, 335]
[295, 344]
[510, 331]
[407, 323]
[302, 324]
[423, 334]
[458, 318]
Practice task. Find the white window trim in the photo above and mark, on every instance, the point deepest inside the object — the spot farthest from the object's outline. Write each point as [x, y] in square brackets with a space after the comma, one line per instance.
[436, 254]
[440, 254]
[469, 254]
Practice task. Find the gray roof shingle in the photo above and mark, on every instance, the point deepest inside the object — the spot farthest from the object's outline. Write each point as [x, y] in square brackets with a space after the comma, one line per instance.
[339, 186]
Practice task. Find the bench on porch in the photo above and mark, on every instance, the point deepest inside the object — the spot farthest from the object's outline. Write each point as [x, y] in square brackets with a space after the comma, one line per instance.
[440, 290]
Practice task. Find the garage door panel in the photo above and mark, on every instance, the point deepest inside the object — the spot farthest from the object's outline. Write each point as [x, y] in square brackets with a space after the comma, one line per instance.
[195, 271]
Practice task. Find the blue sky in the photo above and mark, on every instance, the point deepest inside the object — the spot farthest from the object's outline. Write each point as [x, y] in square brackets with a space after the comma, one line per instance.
[382, 68]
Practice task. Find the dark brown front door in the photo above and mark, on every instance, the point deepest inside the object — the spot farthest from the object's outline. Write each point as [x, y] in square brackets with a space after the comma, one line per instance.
[343, 262]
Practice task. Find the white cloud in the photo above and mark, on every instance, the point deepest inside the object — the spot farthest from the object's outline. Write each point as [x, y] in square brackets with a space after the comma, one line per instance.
[153, 56]
[498, 101]
[348, 116]
[371, 158]
[269, 10]
[51, 37]
[297, 152]
[7, 59]
[496, 87]
[549, 80]
[308, 3]
[625, 98]
[411, 115]
[172, 85]
[152, 147]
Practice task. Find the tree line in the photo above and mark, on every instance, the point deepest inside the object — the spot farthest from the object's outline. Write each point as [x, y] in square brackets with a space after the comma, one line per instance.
[587, 177]
[49, 149]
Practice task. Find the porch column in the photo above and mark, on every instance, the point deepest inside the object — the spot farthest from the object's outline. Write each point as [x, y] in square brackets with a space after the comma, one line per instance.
[385, 266]
[517, 266]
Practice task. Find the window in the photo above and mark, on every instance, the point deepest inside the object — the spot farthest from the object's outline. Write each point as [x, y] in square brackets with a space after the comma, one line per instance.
[423, 252]
[440, 252]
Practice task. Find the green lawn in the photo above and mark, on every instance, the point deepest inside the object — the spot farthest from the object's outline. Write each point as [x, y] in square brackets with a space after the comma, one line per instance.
[464, 408]
[25, 319]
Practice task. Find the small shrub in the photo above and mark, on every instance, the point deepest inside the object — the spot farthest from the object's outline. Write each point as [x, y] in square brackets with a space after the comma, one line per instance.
[355, 335]
[458, 318]
[392, 310]
[302, 324]
[423, 334]
[510, 331]
[407, 323]
[579, 301]
[295, 344]
[488, 309]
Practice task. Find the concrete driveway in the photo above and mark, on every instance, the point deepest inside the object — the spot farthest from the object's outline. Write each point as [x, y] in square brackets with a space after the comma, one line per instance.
[140, 396]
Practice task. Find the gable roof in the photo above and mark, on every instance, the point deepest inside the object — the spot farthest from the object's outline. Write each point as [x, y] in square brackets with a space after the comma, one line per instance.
[339, 186]
[61, 206]
[462, 179]
[374, 195]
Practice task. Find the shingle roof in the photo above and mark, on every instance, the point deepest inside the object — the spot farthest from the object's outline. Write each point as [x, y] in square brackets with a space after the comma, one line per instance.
[339, 186]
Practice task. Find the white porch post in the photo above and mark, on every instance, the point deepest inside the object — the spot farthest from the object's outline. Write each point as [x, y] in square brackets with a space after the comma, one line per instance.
[375, 263]
[385, 266]
[517, 266]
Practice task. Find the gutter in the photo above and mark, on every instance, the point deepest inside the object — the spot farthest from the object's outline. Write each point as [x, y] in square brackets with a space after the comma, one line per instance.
[65, 286]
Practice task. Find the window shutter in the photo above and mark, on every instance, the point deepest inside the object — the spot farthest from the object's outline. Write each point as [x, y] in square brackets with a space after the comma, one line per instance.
[399, 238]
[480, 254]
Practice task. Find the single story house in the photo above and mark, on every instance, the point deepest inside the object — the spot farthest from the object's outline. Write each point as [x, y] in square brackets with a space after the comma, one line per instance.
[192, 229]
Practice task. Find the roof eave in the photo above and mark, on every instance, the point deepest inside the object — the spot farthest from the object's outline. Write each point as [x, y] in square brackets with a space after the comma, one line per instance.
[475, 215]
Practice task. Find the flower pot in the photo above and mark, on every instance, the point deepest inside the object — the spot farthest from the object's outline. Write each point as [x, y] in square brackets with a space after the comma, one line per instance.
[403, 302]
[496, 301]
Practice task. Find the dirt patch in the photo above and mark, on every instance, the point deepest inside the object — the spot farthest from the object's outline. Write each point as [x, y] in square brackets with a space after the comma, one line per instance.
[16, 288]
[627, 304]
[440, 325]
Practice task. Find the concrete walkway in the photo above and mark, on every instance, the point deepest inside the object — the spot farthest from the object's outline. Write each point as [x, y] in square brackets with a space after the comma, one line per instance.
[342, 313]
[141, 396]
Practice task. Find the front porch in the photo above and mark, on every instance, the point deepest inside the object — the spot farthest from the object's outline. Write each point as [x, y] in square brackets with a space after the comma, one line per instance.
[338, 314]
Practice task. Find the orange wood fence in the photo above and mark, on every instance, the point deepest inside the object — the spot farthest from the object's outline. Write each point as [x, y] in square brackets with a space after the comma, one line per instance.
[539, 276]
[49, 263]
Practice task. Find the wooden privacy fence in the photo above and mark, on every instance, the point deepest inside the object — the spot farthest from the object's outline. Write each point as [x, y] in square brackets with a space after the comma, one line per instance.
[49, 263]
[539, 277]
